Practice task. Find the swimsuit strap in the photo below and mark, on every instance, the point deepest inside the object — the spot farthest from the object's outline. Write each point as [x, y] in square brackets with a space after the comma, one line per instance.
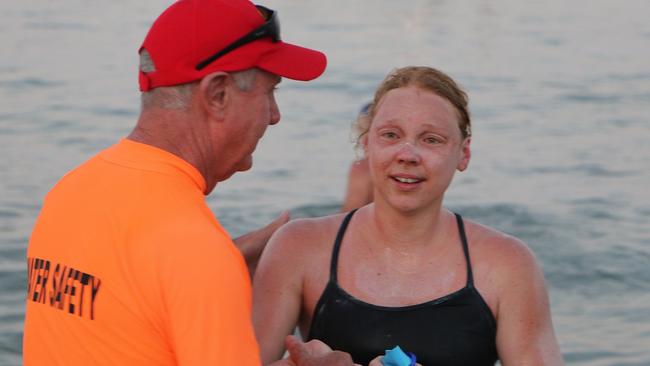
[463, 239]
[337, 245]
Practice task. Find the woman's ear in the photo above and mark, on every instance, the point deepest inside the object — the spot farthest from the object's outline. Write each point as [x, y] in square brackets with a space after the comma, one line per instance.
[363, 142]
[465, 154]
[213, 93]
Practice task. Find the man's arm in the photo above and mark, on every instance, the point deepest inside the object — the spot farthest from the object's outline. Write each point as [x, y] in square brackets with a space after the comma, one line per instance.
[206, 299]
[315, 353]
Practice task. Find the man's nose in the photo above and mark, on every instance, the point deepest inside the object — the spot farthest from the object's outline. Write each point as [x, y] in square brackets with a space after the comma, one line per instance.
[275, 113]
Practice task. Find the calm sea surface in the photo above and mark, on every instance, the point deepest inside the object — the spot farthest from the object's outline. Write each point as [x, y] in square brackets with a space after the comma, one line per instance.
[560, 96]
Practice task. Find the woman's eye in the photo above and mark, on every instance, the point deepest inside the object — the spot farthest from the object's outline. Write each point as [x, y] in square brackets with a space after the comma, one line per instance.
[389, 135]
[431, 140]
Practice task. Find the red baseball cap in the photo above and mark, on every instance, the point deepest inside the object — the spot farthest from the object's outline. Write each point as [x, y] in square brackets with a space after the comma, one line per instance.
[191, 31]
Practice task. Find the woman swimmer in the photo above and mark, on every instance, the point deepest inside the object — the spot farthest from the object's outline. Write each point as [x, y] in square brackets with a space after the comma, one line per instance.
[404, 270]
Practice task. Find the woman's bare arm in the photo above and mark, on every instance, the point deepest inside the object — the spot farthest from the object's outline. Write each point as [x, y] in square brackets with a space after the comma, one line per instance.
[525, 334]
[277, 292]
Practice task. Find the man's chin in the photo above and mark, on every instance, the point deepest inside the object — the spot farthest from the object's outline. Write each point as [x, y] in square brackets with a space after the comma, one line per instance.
[242, 166]
[245, 164]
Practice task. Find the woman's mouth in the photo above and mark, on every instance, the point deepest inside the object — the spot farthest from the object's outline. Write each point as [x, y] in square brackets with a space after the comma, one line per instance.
[407, 180]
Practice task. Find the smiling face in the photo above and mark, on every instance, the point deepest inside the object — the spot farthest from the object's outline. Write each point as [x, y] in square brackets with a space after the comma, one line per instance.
[414, 146]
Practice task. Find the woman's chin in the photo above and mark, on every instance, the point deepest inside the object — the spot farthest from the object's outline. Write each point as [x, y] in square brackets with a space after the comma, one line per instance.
[406, 206]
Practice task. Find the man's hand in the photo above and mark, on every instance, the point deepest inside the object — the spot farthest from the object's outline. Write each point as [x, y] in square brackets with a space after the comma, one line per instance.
[252, 244]
[315, 353]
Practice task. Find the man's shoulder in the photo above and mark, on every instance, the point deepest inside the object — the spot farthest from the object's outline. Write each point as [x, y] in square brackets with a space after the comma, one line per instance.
[174, 222]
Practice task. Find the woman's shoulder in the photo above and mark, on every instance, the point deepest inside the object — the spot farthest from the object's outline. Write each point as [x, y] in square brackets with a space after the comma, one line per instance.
[310, 228]
[504, 253]
[505, 268]
[305, 237]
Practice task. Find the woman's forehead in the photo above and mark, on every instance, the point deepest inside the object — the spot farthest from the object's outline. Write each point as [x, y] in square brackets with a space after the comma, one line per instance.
[413, 103]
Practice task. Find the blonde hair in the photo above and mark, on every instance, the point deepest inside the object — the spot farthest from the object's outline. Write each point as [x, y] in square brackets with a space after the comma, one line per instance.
[426, 78]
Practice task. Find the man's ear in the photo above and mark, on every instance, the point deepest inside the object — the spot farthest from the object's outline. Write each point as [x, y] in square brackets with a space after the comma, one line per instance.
[213, 93]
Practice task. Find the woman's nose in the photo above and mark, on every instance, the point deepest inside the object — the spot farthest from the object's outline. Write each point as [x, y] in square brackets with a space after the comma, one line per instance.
[408, 153]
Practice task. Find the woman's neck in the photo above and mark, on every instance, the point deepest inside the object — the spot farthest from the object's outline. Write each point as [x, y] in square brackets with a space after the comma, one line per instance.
[407, 230]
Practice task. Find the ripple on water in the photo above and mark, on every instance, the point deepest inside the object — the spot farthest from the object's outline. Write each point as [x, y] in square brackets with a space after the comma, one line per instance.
[643, 211]
[585, 357]
[616, 271]
[280, 173]
[539, 230]
[14, 278]
[315, 210]
[512, 219]
[10, 218]
[588, 169]
[57, 26]
[591, 98]
[10, 348]
[7, 214]
[633, 77]
[29, 83]
[598, 208]
[574, 257]
[12, 305]
[598, 170]
[115, 112]
[57, 125]
[81, 141]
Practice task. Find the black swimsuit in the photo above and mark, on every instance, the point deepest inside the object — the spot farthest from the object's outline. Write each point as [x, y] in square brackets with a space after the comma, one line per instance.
[456, 329]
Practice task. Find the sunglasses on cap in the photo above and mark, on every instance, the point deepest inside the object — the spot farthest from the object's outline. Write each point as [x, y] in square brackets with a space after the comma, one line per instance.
[270, 28]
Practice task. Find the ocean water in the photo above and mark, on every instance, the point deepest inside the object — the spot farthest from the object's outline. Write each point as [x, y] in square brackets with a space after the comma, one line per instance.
[560, 98]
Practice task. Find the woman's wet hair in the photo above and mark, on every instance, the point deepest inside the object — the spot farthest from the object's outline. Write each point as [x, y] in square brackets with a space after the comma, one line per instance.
[425, 78]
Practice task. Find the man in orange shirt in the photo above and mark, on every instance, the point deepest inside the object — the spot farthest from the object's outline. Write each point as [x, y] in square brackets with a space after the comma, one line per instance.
[126, 264]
